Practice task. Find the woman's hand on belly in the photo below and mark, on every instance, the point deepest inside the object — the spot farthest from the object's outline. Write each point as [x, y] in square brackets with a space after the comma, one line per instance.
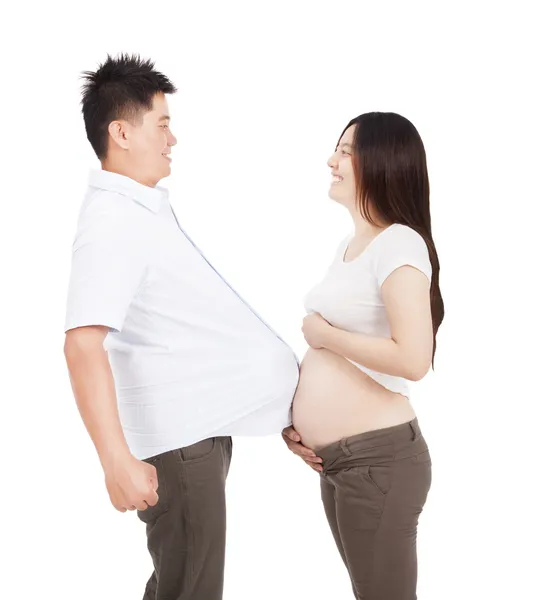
[335, 399]
[314, 327]
[293, 440]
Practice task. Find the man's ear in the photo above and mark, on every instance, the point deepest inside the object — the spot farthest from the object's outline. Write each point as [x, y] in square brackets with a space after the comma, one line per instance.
[119, 132]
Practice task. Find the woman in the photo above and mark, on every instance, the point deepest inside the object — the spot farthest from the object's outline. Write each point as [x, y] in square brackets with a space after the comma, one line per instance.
[371, 327]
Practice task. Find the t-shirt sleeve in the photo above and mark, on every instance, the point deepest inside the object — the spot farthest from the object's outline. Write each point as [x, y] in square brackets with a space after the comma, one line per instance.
[109, 265]
[403, 246]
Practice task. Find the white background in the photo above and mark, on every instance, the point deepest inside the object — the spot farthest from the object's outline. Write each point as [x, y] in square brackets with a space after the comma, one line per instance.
[265, 90]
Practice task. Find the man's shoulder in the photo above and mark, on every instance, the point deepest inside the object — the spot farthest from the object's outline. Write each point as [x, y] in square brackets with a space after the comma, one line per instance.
[108, 204]
[110, 208]
[105, 213]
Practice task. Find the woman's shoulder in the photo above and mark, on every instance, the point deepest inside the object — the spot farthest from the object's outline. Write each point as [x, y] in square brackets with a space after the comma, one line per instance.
[400, 234]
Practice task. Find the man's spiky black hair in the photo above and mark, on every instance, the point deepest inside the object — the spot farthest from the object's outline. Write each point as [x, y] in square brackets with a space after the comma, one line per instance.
[121, 88]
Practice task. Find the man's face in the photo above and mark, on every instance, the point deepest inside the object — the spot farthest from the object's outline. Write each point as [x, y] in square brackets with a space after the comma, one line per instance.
[150, 141]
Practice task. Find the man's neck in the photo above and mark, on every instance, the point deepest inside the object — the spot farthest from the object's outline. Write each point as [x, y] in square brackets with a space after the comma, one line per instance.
[126, 171]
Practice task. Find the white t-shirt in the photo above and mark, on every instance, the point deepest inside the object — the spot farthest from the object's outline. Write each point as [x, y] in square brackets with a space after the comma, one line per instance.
[349, 296]
[190, 358]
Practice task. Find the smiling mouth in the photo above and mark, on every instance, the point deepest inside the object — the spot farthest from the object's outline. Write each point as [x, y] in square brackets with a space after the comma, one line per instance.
[167, 156]
[336, 179]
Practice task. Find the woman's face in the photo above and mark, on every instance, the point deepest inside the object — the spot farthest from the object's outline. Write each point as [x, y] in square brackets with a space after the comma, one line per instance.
[342, 188]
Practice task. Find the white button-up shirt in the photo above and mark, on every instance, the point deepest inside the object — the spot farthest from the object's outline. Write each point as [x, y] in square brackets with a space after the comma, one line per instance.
[190, 358]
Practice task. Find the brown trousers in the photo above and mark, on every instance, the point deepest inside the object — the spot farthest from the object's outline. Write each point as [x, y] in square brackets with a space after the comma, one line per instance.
[374, 487]
[186, 529]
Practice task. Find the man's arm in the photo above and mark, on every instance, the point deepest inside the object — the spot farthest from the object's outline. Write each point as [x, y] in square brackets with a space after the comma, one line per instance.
[131, 483]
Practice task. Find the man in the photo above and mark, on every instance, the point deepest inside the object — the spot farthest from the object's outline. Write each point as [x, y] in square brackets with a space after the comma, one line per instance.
[188, 362]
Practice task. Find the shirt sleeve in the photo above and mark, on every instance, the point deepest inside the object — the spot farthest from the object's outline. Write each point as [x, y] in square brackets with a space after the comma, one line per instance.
[109, 265]
[402, 247]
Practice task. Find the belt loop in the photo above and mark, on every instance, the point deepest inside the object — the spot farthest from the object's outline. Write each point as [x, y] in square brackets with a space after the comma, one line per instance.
[344, 447]
[415, 431]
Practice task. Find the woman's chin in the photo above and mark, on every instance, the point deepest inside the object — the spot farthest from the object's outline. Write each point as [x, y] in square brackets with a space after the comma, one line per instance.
[335, 196]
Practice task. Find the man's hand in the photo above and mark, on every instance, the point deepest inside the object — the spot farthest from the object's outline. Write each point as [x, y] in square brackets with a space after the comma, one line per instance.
[293, 440]
[131, 484]
[314, 328]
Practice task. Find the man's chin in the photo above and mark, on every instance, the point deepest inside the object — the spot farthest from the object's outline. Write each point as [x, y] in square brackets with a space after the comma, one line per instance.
[166, 172]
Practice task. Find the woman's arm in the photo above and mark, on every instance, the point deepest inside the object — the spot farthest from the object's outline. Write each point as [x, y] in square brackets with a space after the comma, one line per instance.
[408, 352]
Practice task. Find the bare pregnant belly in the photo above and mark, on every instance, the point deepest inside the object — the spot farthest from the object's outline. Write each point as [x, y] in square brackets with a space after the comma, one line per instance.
[335, 400]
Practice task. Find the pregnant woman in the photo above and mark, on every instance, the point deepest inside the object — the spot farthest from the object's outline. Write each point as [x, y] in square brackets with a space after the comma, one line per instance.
[371, 325]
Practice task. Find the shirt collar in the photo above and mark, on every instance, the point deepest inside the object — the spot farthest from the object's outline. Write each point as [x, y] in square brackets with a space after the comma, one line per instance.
[150, 197]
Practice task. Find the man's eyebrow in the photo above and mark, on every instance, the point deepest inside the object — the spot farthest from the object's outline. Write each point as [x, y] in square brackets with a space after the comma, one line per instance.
[164, 118]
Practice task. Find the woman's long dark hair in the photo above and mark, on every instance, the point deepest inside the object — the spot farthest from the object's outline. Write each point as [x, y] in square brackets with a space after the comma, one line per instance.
[391, 175]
